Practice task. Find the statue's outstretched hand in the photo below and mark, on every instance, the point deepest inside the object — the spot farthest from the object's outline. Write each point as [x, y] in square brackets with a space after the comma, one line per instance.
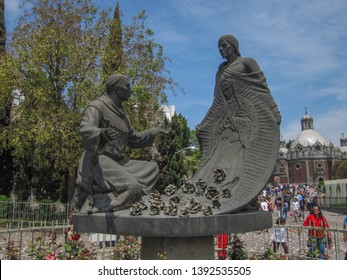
[160, 131]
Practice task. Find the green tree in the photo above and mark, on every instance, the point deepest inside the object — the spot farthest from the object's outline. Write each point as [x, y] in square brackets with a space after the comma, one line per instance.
[340, 169]
[114, 59]
[144, 62]
[6, 88]
[193, 155]
[6, 162]
[289, 144]
[171, 154]
[57, 61]
[131, 50]
[58, 52]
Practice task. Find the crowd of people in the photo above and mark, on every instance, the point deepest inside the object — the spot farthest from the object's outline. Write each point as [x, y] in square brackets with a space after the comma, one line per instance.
[291, 199]
[297, 201]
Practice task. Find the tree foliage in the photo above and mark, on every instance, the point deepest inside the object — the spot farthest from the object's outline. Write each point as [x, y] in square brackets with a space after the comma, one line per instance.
[58, 57]
[340, 170]
[171, 155]
[145, 64]
[193, 156]
[114, 58]
[6, 86]
[56, 68]
[6, 161]
[289, 144]
[143, 60]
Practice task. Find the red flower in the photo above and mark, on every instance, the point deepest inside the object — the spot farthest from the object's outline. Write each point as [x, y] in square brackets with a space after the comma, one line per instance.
[51, 256]
[74, 236]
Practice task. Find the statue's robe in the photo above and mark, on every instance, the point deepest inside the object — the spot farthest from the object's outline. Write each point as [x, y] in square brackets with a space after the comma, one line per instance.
[106, 181]
[239, 134]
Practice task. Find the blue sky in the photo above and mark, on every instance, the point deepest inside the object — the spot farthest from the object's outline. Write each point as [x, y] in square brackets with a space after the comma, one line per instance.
[299, 45]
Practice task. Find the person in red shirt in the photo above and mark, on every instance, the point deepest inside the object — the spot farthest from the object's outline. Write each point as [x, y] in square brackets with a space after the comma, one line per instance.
[318, 236]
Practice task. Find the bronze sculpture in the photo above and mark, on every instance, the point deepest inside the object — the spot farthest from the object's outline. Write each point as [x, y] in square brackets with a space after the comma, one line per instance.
[106, 181]
[238, 137]
[240, 132]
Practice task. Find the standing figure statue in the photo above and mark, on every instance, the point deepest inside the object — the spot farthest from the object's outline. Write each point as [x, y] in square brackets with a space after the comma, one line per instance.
[106, 180]
[240, 132]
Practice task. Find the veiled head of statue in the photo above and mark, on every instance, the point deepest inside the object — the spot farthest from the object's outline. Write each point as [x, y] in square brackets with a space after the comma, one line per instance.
[231, 40]
[117, 80]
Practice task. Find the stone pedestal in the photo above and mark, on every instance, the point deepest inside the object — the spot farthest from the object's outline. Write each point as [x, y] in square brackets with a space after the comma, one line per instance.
[178, 248]
[179, 238]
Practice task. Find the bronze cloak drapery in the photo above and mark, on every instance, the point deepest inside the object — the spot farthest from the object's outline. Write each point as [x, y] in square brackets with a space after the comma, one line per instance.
[239, 134]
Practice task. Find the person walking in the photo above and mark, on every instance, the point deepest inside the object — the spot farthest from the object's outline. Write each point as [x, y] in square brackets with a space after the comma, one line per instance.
[279, 236]
[317, 236]
[302, 203]
[296, 210]
[308, 201]
[278, 204]
[284, 210]
[270, 203]
[287, 197]
[263, 205]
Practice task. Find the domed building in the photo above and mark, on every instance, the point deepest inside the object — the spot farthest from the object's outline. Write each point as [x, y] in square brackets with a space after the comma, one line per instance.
[310, 157]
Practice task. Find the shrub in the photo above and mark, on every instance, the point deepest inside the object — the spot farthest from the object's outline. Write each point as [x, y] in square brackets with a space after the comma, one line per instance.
[127, 249]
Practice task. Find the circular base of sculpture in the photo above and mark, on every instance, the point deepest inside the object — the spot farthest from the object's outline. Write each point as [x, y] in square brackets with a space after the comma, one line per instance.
[166, 226]
[178, 248]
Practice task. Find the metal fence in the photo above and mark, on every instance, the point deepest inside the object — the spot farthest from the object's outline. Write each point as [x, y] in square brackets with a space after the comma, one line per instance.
[26, 232]
[332, 202]
[41, 241]
[19, 211]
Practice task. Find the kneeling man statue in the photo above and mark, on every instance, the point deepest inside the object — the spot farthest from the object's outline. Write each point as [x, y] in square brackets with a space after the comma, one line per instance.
[106, 181]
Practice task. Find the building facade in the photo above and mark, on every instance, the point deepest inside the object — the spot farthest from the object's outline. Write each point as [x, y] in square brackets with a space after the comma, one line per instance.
[310, 157]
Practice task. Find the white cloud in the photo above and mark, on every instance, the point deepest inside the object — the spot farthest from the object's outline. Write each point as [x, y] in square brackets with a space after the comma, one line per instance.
[332, 123]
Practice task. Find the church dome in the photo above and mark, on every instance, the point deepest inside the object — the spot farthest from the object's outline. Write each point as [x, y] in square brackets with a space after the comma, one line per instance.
[309, 137]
